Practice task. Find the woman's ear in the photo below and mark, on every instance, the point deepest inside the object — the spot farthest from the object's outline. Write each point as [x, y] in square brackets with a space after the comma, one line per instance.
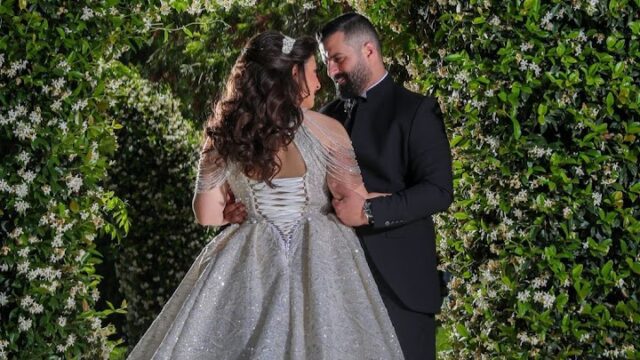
[294, 71]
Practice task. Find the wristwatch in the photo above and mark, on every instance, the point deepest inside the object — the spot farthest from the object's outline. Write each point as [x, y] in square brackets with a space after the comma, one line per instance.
[366, 208]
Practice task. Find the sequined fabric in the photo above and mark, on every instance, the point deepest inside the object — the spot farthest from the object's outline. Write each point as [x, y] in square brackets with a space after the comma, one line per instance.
[294, 287]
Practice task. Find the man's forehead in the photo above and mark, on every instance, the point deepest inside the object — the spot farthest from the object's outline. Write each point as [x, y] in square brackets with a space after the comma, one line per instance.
[332, 44]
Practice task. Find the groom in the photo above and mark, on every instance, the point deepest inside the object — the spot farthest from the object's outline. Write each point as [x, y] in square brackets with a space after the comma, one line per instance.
[402, 149]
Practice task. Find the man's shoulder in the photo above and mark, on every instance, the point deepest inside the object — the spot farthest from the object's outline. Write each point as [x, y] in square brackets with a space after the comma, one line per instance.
[412, 96]
[334, 109]
[413, 102]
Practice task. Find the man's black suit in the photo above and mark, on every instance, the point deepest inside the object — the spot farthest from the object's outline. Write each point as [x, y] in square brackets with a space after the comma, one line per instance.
[402, 149]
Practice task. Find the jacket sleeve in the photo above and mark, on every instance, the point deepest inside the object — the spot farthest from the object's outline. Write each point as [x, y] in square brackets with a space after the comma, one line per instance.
[431, 188]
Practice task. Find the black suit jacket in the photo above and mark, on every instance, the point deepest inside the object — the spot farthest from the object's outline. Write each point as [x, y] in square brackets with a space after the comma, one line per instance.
[401, 147]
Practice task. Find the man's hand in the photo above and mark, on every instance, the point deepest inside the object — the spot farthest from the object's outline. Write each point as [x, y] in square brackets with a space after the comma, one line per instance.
[348, 205]
[234, 212]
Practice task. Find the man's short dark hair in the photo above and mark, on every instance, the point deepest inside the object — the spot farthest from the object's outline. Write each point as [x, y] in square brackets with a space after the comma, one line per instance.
[356, 28]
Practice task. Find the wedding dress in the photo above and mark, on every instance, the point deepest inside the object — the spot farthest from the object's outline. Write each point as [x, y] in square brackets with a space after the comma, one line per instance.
[291, 282]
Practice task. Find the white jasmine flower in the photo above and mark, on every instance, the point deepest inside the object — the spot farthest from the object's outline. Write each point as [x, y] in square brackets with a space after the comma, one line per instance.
[526, 46]
[23, 131]
[28, 175]
[24, 157]
[195, 8]
[35, 116]
[24, 252]
[538, 296]
[23, 324]
[62, 321]
[566, 212]
[16, 233]
[95, 295]
[597, 198]
[21, 206]
[4, 299]
[21, 190]
[165, 9]
[74, 183]
[80, 105]
[581, 36]
[36, 308]
[71, 340]
[539, 282]
[57, 105]
[96, 323]
[4, 186]
[523, 296]
[520, 197]
[87, 13]
[70, 303]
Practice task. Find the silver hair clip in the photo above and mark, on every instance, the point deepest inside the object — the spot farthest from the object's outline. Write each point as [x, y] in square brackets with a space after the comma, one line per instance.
[287, 44]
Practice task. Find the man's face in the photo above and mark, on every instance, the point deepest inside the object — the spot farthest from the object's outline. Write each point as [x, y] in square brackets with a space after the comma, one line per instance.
[346, 66]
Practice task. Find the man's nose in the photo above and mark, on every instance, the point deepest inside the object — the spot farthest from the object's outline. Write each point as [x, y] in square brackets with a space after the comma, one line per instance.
[332, 68]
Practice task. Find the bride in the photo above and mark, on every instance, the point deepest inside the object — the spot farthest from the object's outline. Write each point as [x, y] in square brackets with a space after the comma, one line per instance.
[291, 282]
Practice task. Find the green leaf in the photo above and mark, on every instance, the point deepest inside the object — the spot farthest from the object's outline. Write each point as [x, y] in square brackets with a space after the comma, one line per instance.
[453, 58]
[633, 265]
[516, 126]
[461, 215]
[606, 269]
[610, 100]
[73, 205]
[577, 271]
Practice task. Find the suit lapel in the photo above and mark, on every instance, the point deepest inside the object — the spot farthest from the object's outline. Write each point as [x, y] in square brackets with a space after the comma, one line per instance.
[374, 116]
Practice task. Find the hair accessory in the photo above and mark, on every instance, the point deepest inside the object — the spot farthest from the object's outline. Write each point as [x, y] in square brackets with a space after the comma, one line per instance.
[287, 44]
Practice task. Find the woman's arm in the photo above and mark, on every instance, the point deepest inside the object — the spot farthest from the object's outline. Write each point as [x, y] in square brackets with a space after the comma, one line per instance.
[208, 206]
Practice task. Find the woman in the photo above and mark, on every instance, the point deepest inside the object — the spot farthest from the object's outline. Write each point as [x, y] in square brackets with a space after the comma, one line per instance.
[291, 282]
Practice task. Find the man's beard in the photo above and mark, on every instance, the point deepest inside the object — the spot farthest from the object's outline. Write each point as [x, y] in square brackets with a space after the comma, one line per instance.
[354, 81]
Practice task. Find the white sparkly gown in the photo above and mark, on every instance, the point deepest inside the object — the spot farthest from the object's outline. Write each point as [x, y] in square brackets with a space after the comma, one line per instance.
[291, 282]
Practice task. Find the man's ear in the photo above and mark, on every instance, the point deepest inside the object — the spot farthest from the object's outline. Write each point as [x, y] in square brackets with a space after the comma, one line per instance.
[368, 49]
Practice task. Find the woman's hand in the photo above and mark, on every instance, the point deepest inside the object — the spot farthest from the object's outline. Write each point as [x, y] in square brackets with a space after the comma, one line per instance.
[372, 195]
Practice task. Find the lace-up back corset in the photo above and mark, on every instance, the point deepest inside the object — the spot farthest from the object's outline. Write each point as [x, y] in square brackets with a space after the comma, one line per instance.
[286, 206]
[282, 206]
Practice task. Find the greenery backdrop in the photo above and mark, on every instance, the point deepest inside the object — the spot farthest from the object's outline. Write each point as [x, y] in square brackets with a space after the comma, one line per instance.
[102, 106]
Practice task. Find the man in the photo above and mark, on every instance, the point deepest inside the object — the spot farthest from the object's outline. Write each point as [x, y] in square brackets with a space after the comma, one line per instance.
[402, 149]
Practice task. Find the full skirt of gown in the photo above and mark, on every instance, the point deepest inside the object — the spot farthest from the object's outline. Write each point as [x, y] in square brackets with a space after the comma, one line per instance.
[277, 286]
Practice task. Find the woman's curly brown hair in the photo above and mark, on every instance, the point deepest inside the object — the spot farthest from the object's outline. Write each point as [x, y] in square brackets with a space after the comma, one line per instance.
[260, 112]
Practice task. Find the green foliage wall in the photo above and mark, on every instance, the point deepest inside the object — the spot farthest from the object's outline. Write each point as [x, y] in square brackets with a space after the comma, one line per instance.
[541, 101]
[55, 144]
[154, 171]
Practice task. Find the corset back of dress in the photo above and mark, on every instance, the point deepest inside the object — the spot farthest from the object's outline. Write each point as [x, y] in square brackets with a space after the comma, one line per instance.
[291, 199]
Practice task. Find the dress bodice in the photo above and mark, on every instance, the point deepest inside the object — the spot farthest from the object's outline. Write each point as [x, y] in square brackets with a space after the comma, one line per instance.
[291, 199]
